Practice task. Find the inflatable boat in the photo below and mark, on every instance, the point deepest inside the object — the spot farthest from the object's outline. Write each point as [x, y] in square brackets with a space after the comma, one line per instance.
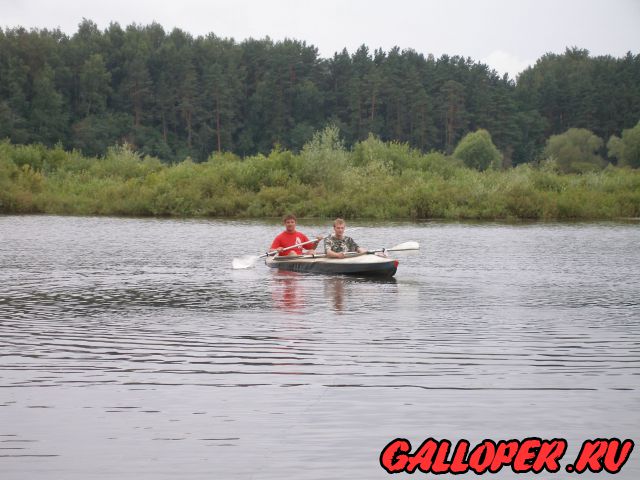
[365, 264]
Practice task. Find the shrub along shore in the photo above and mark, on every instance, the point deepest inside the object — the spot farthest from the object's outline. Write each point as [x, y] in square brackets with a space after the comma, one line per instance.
[374, 180]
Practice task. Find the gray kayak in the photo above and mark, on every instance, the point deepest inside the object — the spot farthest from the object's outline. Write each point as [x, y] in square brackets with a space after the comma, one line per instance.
[356, 264]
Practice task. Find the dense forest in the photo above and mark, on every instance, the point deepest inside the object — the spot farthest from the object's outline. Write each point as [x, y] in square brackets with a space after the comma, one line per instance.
[173, 96]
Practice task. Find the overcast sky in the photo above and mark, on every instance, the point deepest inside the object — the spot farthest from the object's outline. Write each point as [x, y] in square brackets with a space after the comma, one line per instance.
[508, 35]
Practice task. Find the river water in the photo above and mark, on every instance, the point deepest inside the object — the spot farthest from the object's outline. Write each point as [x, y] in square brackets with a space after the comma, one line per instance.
[130, 349]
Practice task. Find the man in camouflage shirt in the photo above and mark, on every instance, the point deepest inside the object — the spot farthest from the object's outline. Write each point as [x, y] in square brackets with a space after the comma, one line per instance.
[338, 244]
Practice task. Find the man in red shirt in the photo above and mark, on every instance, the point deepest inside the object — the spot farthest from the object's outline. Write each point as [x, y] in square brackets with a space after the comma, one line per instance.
[291, 237]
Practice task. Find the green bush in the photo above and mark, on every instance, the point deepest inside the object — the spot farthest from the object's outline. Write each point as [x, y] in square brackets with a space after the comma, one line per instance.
[477, 151]
[575, 151]
[376, 180]
[627, 148]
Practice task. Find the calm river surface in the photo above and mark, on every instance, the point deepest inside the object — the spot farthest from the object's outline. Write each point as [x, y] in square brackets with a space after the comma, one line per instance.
[129, 348]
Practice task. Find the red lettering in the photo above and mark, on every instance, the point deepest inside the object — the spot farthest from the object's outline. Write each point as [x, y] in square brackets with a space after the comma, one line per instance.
[591, 455]
[550, 453]
[505, 452]
[394, 456]
[423, 458]
[617, 454]
[458, 464]
[482, 457]
[529, 455]
[440, 464]
[527, 452]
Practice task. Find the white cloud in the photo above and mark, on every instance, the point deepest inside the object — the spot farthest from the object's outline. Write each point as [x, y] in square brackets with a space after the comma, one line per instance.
[504, 62]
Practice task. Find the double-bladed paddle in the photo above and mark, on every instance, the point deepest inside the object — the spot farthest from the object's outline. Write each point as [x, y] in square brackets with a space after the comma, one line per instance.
[401, 247]
[248, 261]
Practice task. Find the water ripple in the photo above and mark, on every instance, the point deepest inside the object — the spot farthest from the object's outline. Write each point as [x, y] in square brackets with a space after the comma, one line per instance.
[140, 330]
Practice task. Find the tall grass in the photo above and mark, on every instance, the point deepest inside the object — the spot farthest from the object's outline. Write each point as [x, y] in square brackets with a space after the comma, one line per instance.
[375, 180]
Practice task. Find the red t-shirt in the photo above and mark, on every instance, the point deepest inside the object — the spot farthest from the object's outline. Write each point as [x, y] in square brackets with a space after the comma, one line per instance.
[286, 239]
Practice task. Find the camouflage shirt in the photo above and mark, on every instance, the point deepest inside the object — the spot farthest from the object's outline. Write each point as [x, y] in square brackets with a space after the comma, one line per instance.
[346, 244]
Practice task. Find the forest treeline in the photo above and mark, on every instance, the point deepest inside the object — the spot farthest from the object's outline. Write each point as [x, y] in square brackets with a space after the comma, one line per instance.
[175, 96]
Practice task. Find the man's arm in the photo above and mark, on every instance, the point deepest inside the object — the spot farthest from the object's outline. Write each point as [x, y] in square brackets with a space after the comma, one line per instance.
[353, 246]
[314, 245]
[276, 244]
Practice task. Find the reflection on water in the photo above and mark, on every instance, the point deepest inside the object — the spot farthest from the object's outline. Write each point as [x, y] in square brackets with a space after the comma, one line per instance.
[287, 291]
[335, 289]
[130, 348]
[290, 290]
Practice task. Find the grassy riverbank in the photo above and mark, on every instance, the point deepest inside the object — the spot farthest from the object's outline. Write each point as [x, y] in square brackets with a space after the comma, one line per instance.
[374, 180]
